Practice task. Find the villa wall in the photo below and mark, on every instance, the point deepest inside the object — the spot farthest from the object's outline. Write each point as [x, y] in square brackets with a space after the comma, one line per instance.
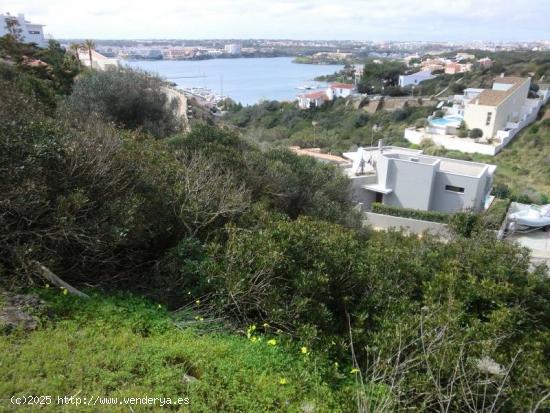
[475, 116]
[359, 194]
[510, 109]
[449, 201]
[411, 183]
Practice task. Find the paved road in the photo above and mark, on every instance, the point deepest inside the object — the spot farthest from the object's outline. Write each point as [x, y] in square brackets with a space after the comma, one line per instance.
[538, 242]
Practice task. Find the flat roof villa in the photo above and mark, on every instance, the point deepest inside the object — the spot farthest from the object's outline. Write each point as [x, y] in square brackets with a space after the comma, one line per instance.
[499, 113]
[407, 178]
[30, 32]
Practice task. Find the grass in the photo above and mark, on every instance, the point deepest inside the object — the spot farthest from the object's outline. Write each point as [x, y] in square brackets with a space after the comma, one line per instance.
[127, 347]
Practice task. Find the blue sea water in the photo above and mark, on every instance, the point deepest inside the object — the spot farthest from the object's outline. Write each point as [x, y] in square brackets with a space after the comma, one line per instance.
[245, 80]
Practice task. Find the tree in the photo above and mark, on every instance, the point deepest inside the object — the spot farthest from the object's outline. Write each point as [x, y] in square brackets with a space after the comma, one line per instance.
[75, 48]
[13, 28]
[89, 45]
[132, 99]
[462, 130]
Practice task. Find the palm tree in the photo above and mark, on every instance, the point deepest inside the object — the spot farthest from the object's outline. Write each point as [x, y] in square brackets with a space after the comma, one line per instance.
[89, 45]
[75, 47]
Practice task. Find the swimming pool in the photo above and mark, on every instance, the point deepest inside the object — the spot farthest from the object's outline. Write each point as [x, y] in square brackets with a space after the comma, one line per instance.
[450, 120]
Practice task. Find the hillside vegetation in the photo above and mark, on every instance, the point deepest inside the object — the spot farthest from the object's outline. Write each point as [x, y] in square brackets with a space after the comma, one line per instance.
[335, 127]
[283, 300]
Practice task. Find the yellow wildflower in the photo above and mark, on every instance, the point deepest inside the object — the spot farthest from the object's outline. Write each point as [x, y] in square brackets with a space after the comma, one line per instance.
[197, 302]
[250, 330]
[282, 380]
[272, 342]
[304, 350]
[354, 371]
[65, 292]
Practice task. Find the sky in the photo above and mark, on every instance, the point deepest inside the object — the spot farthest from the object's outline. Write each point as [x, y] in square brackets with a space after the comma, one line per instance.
[439, 20]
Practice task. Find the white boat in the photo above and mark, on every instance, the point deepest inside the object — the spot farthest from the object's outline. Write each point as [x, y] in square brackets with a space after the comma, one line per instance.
[535, 216]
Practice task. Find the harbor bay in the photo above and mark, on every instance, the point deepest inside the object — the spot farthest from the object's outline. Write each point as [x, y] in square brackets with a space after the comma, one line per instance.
[245, 80]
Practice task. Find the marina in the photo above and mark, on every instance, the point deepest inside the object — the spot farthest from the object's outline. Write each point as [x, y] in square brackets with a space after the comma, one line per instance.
[245, 80]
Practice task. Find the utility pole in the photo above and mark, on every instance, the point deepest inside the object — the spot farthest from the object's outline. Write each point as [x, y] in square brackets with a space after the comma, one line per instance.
[313, 123]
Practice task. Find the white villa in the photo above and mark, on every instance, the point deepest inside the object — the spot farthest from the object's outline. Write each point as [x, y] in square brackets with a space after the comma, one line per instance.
[319, 97]
[99, 61]
[499, 113]
[30, 32]
[406, 178]
[415, 78]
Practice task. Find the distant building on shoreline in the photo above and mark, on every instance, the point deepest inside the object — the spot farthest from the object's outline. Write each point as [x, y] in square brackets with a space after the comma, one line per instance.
[30, 32]
[232, 48]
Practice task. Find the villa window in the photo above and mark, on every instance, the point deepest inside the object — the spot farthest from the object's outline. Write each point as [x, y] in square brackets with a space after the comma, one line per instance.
[456, 189]
[488, 121]
[33, 32]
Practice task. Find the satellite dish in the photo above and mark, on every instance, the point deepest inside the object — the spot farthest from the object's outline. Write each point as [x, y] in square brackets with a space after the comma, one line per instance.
[361, 166]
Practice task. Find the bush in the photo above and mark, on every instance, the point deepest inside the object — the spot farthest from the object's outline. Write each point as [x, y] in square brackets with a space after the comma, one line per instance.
[300, 185]
[129, 98]
[476, 133]
[434, 216]
[465, 224]
[439, 114]
[420, 123]
[494, 216]
[399, 115]
[392, 292]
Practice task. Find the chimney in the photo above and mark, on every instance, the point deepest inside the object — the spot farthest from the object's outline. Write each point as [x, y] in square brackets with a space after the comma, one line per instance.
[380, 145]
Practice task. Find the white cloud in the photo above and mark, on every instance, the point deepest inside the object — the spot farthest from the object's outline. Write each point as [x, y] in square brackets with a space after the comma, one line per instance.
[310, 19]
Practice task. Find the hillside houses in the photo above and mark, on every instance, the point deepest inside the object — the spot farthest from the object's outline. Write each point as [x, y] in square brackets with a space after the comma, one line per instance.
[415, 78]
[483, 120]
[317, 98]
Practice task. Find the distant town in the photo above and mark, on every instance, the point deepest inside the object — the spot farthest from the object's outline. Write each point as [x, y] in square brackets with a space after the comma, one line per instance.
[315, 51]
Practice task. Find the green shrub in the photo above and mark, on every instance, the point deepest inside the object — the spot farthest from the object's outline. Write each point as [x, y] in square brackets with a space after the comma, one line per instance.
[494, 216]
[434, 216]
[465, 224]
[476, 133]
[321, 282]
[127, 97]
